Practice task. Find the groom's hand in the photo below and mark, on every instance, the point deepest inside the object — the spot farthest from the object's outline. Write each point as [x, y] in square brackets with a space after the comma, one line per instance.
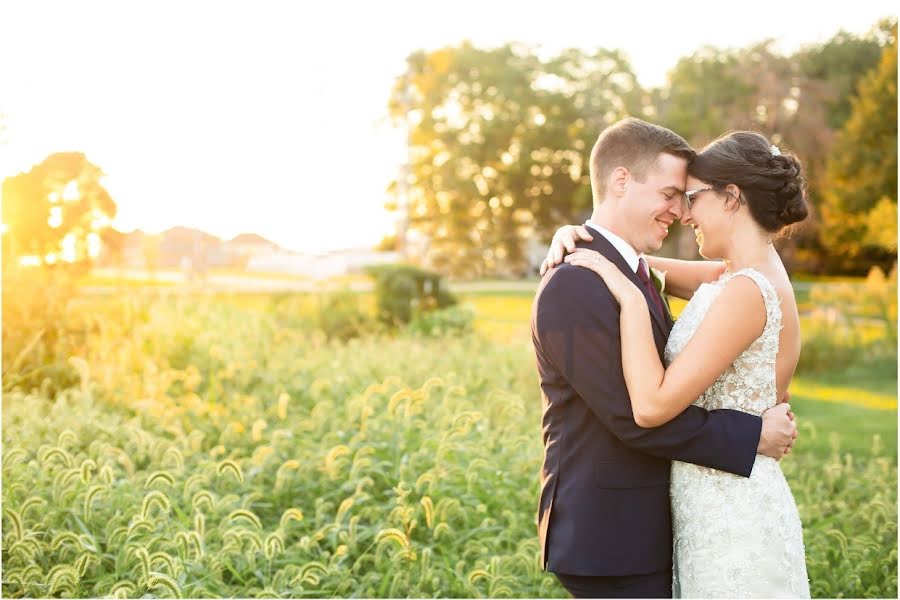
[778, 431]
[787, 398]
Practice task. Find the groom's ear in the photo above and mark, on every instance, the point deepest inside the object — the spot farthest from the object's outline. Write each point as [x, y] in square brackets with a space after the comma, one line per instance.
[618, 181]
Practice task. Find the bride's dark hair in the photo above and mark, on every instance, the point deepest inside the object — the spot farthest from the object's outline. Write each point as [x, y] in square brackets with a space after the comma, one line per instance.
[771, 183]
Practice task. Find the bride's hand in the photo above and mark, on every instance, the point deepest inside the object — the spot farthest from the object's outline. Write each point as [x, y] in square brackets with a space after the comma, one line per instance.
[622, 288]
[564, 240]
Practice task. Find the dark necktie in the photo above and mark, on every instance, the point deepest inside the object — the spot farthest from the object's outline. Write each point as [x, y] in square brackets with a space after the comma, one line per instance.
[643, 275]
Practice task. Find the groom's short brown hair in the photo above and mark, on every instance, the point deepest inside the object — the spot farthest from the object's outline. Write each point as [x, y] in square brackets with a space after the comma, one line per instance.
[635, 145]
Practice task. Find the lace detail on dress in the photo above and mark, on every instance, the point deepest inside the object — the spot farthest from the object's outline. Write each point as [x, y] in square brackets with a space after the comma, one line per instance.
[749, 384]
[735, 537]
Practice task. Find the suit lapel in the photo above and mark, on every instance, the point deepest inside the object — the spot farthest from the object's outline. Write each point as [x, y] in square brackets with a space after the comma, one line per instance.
[602, 245]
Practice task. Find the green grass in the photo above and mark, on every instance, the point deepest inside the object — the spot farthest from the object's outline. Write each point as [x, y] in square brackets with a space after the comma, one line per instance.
[855, 427]
[409, 465]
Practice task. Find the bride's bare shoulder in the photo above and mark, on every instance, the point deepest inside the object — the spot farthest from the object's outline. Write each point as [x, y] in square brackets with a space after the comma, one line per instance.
[779, 279]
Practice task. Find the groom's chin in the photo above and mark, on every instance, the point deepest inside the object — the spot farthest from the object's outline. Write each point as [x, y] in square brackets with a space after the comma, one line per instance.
[653, 247]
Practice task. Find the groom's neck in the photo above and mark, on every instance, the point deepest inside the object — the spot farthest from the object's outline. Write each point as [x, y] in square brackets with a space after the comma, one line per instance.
[604, 217]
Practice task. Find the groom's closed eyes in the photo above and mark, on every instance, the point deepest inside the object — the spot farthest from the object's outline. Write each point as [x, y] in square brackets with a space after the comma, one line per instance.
[670, 191]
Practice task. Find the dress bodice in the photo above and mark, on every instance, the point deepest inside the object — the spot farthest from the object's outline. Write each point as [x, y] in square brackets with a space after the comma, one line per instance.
[748, 384]
[734, 536]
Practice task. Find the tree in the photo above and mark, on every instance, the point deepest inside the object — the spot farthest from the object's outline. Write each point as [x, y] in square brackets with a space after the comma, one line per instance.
[705, 96]
[860, 208]
[499, 141]
[388, 243]
[798, 101]
[56, 210]
[839, 64]
[716, 90]
[832, 71]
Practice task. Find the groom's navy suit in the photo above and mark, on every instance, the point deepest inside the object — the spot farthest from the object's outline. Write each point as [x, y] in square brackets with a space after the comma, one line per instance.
[604, 505]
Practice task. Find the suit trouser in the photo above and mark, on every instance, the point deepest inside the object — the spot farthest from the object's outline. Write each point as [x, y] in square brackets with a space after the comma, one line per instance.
[650, 585]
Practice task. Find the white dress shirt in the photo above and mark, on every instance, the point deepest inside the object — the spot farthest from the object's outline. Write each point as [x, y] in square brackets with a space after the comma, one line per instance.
[628, 253]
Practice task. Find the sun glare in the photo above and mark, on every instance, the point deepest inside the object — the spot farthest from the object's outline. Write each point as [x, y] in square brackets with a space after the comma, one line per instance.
[68, 248]
[94, 244]
[56, 218]
[30, 261]
[71, 193]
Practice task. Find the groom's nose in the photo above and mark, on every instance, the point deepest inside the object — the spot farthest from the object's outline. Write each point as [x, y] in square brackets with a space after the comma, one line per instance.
[677, 209]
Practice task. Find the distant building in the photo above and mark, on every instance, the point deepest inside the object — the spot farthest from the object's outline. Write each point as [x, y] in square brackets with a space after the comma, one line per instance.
[193, 252]
[279, 261]
[535, 252]
[243, 247]
[320, 266]
[202, 249]
[183, 248]
[355, 260]
[128, 251]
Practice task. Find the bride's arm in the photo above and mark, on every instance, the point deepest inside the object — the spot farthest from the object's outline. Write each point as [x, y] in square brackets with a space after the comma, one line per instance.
[735, 319]
[683, 277]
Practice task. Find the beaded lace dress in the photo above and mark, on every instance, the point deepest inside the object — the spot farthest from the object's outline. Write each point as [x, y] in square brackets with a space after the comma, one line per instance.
[735, 537]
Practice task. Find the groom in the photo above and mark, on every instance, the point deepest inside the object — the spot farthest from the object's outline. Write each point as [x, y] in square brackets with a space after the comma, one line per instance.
[604, 518]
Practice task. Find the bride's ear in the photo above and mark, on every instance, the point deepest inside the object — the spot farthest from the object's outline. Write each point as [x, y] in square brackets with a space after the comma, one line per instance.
[734, 199]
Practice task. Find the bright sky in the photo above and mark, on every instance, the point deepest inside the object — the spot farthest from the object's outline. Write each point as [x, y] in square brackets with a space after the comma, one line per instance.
[270, 117]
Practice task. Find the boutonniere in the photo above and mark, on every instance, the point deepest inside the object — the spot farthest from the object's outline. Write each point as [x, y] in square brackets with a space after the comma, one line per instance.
[659, 282]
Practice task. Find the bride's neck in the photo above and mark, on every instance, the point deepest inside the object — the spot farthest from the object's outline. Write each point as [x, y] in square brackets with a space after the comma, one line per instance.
[749, 257]
[748, 246]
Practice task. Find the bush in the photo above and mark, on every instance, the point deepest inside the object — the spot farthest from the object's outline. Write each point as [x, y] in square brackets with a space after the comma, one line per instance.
[39, 332]
[454, 320]
[851, 324]
[828, 346]
[403, 290]
[340, 316]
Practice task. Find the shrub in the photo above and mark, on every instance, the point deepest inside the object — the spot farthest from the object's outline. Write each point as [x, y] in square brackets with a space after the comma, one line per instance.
[851, 324]
[340, 316]
[39, 334]
[403, 290]
[826, 346]
[453, 320]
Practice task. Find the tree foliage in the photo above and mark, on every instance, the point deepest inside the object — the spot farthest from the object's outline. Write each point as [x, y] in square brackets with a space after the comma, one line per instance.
[499, 139]
[860, 208]
[499, 144]
[838, 64]
[53, 210]
[755, 88]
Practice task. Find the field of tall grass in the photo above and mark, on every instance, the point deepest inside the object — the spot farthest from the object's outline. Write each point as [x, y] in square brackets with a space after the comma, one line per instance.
[177, 445]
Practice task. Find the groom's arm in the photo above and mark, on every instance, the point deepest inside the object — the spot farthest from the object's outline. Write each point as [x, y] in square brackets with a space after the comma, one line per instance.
[577, 323]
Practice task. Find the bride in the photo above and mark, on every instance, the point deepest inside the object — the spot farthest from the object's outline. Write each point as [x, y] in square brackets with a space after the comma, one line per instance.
[735, 345]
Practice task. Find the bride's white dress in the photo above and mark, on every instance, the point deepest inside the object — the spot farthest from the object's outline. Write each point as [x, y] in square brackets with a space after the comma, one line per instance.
[735, 537]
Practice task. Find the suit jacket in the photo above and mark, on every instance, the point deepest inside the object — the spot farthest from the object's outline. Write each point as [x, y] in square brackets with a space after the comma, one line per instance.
[604, 501]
